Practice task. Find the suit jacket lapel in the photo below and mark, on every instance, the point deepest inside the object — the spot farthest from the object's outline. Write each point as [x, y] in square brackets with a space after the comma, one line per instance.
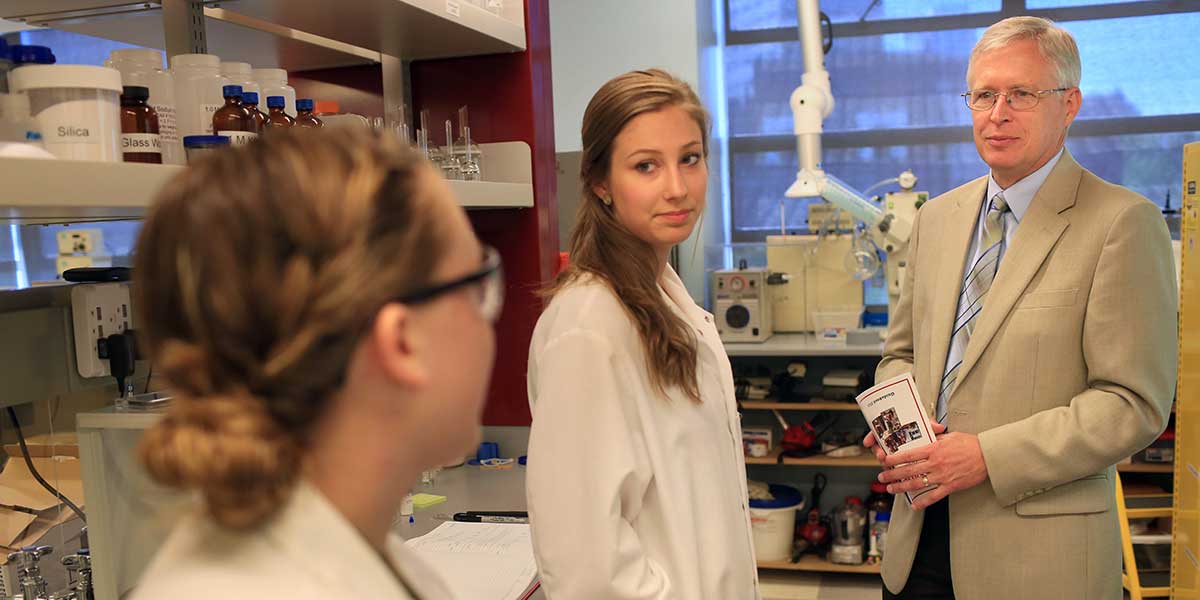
[956, 239]
[1036, 236]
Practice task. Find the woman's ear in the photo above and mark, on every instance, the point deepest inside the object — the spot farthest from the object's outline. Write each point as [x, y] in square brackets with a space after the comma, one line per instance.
[394, 347]
[600, 189]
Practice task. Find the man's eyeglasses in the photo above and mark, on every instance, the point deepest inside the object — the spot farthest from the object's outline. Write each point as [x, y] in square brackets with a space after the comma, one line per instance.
[490, 278]
[1017, 98]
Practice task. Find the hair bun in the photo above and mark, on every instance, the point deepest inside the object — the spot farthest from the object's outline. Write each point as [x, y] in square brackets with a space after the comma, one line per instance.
[228, 448]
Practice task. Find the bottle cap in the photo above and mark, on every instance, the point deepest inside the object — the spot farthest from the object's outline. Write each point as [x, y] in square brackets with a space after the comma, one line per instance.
[135, 92]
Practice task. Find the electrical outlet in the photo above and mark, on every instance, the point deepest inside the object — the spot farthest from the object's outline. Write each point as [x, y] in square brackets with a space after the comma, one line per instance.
[80, 241]
[97, 311]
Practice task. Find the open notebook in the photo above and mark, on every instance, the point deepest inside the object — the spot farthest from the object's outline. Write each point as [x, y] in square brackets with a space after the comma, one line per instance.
[481, 561]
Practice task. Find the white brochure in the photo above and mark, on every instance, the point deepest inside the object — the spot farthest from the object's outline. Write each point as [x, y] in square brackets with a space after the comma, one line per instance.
[897, 418]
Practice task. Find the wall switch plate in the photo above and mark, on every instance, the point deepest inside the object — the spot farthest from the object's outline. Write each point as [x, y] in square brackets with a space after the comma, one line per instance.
[80, 241]
[97, 311]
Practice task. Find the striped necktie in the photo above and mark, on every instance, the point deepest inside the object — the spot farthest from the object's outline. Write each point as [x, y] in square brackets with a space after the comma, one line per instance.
[970, 300]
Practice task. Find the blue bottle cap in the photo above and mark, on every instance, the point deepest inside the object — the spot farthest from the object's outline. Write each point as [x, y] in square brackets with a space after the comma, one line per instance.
[886, 517]
[232, 90]
[250, 97]
[3, 49]
[201, 141]
[278, 102]
[302, 103]
[31, 55]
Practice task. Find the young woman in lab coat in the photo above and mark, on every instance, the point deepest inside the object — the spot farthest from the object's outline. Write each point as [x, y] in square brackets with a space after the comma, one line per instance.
[305, 297]
[636, 481]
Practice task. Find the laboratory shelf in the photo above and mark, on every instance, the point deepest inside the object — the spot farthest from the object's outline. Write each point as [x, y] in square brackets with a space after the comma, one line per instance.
[866, 460]
[811, 562]
[797, 345]
[299, 34]
[772, 457]
[806, 406]
[775, 457]
[37, 190]
[1146, 468]
[59, 191]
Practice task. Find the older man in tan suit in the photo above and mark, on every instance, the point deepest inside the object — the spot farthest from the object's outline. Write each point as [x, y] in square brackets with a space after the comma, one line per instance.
[1038, 316]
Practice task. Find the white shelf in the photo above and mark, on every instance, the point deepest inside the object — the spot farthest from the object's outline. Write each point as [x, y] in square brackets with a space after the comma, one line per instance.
[486, 194]
[299, 34]
[113, 418]
[800, 345]
[67, 191]
[57, 191]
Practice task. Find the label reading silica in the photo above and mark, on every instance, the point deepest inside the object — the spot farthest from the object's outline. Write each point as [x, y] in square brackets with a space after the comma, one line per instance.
[72, 134]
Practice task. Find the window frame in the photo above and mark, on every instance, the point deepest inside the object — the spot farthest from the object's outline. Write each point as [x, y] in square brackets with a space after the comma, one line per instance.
[947, 134]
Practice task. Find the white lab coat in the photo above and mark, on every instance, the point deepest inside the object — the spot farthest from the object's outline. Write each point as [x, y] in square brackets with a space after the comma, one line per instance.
[632, 495]
[308, 551]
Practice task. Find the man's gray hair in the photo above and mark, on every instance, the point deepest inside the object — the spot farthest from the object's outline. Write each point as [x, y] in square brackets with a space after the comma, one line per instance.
[1056, 45]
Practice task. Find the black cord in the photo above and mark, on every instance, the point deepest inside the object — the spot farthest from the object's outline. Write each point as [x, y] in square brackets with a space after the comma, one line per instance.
[148, 376]
[12, 416]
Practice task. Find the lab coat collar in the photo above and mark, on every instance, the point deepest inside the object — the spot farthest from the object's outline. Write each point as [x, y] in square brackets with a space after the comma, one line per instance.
[318, 538]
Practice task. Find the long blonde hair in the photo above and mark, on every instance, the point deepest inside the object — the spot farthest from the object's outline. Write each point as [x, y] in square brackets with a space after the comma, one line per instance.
[257, 271]
[604, 248]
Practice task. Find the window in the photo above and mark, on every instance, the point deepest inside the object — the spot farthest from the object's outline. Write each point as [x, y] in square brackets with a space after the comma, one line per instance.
[897, 67]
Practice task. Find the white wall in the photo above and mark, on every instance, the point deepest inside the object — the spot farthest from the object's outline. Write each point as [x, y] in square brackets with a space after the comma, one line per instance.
[592, 41]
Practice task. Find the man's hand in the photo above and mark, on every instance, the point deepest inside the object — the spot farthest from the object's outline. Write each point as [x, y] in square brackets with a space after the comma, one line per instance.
[954, 462]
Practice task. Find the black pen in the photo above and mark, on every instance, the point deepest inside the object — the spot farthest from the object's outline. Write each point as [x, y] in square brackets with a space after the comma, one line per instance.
[498, 516]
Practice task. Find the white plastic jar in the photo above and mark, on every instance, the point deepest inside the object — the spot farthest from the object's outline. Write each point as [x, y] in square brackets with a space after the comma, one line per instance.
[78, 108]
[198, 84]
[274, 82]
[144, 67]
[240, 73]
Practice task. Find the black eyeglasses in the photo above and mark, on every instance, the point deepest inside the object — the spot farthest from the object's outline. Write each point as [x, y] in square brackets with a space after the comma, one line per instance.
[490, 276]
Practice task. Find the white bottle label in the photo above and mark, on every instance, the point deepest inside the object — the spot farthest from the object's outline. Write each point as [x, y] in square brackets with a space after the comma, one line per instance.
[207, 116]
[166, 122]
[238, 138]
[72, 134]
[149, 143]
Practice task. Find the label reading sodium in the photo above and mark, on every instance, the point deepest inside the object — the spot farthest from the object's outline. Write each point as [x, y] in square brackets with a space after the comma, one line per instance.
[148, 143]
[238, 138]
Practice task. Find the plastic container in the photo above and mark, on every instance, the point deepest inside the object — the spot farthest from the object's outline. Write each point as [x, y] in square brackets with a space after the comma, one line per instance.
[5, 66]
[274, 82]
[144, 67]
[831, 324]
[304, 114]
[330, 114]
[240, 73]
[77, 107]
[16, 126]
[140, 142]
[198, 84]
[198, 146]
[773, 522]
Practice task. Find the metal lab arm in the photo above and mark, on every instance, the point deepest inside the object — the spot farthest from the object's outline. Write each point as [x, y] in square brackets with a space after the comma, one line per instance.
[811, 103]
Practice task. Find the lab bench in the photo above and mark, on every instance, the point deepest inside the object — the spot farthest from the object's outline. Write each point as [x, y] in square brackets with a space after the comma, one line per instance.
[130, 516]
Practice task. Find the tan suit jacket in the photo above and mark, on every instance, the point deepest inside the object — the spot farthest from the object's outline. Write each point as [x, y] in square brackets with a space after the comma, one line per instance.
[1071, 368]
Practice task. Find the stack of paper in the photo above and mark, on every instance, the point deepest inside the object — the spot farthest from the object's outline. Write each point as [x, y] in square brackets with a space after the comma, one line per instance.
[482, 561]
